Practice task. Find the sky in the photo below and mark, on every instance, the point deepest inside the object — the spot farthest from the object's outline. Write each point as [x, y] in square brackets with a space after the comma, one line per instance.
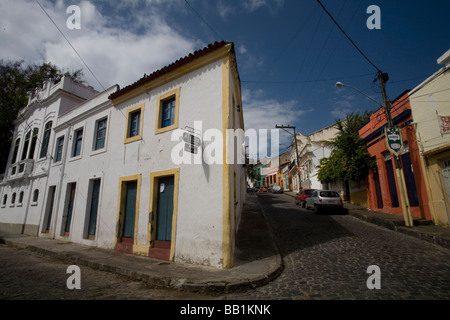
[290, 54]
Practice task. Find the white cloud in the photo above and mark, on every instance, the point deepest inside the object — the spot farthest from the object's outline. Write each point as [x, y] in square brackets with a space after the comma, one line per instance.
[340, 113]
[113, 52]
[242, 49]
[253, 5]
[265, 113]
[347, 104]
[224, 9]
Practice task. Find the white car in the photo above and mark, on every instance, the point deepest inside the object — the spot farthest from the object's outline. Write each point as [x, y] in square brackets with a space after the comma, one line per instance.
[275, 189]
[324, 199]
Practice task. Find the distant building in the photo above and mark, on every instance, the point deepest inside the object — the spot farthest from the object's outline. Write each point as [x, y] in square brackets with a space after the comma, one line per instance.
[283, 170]
[117, 169]
[311, 150]
[270, 170]
[430, 106]
[260, 172]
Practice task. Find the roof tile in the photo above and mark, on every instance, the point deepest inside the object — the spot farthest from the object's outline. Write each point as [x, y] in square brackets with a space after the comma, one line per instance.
[175, 65]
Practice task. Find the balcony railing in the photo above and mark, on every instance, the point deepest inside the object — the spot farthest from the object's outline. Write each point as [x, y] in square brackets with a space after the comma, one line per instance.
[22, 169]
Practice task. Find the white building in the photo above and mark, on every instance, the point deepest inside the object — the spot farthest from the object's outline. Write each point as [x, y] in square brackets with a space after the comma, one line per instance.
[23, 187]
[430, 106]
[311, 150]
[121, 177]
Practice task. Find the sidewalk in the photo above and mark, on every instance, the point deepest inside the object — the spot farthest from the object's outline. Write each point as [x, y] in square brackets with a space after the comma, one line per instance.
[256, 262]
[423, 229]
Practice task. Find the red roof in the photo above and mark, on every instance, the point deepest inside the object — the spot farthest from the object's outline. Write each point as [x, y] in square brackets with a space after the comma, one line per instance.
[180, 62]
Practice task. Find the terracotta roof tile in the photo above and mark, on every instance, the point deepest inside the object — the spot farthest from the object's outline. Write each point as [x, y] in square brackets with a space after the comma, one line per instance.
[175, 65]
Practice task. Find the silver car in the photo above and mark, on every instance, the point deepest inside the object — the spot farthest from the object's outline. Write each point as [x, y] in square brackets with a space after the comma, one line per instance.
[275, 189]
[321, 199]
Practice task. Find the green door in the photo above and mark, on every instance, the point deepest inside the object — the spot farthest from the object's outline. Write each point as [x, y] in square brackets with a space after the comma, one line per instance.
[165, 209]
[130, 209]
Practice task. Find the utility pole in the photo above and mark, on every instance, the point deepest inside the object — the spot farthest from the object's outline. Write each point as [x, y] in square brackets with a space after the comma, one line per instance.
[383, 78]
[296, 145]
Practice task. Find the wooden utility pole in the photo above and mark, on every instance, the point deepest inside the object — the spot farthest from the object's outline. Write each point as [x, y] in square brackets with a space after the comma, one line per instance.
[383, 78]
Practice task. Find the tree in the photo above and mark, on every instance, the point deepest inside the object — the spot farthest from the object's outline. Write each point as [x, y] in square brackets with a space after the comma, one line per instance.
[349, 159]
[16, 83]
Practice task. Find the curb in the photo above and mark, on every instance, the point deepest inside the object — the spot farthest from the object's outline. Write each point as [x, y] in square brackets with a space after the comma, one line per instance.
[280, 261]
[375, 220]
[229, 283]
[157, 282]
[401, 228]
[212, 288]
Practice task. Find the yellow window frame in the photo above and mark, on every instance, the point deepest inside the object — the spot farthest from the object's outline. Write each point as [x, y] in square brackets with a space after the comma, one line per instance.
[129, 139]
[169, 95]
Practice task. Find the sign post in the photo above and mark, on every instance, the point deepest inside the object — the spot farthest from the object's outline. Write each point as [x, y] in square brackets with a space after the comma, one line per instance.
[394, 139]
[394, 143]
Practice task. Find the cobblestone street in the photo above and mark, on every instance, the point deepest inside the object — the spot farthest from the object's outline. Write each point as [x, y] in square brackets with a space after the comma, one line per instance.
[28, 275]
[327, 256]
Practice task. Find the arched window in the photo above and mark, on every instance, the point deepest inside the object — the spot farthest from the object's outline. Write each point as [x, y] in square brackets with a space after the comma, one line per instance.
[45, 139]
[13, 198]
[35, 195]
[20, 197]
[5, 199]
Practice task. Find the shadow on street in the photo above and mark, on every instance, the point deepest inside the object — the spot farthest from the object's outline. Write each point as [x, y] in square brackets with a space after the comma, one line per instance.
[297, 228]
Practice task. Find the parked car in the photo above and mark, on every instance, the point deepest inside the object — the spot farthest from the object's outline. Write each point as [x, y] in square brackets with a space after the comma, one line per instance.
[275, 189]
[262, 189]
[300, 198]
[324, 199]
[251, 190]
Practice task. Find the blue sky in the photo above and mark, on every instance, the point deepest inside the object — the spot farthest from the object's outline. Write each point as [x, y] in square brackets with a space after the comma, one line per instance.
[290, 54]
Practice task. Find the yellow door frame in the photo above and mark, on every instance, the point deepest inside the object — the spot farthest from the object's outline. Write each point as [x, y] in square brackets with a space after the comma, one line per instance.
[121, 205]
[151, 231]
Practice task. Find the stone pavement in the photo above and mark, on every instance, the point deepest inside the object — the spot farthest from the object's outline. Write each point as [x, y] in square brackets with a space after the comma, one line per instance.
[423, 229]
[257, 260]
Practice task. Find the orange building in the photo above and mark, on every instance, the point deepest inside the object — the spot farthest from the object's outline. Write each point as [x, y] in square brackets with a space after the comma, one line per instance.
[383, 191]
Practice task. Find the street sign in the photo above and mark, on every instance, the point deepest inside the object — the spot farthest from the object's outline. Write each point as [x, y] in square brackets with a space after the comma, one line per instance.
[192, 141]
[394, 140]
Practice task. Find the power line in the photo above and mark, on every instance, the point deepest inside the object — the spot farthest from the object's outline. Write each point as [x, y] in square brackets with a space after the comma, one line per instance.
[204, 21]
[342, 30]
[306, 81]
[79, 56]
[307, 52]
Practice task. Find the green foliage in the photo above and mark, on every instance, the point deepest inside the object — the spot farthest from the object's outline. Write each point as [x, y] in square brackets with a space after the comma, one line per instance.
[349, 159]
[252, 173]
[16, 82]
